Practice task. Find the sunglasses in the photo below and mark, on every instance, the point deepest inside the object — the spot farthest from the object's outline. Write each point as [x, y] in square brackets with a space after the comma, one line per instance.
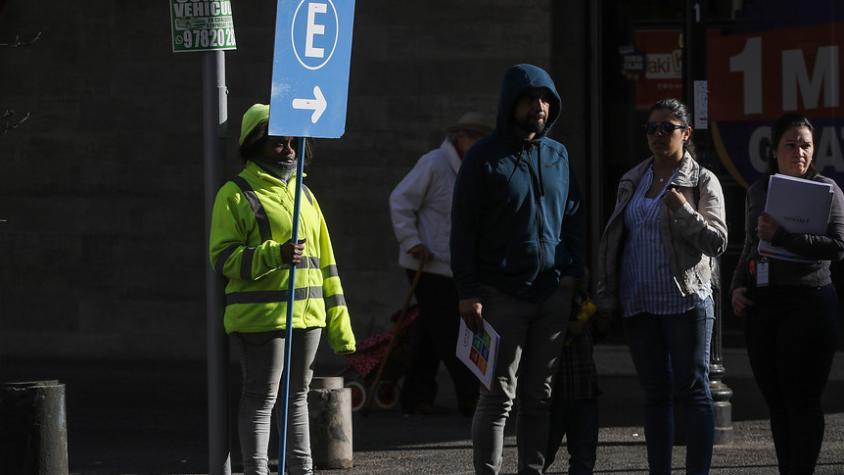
[665, 127]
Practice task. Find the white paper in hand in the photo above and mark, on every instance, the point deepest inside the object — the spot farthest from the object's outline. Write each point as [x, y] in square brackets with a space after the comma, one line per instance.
[478, 352]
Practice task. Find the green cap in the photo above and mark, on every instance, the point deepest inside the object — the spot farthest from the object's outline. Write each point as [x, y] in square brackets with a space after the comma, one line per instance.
[253, 117]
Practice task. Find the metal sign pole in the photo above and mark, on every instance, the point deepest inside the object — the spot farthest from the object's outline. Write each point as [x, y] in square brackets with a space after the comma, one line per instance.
[312, 55]
[214, 117]
[291, 300]
[217, 35]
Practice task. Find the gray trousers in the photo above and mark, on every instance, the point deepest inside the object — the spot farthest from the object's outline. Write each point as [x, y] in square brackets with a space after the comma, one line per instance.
[531, 337]
[261, 361]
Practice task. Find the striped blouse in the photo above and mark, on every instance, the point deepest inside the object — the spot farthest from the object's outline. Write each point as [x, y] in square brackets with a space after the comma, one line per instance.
[647, 285]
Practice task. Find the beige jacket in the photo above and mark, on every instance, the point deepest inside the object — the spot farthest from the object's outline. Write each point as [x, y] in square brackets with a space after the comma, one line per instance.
[692, 234]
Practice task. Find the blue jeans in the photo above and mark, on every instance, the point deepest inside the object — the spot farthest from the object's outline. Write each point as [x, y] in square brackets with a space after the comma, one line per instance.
[671, 355]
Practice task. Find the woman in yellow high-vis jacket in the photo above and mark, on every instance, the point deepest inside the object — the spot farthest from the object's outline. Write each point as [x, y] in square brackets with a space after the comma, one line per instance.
[250, 245]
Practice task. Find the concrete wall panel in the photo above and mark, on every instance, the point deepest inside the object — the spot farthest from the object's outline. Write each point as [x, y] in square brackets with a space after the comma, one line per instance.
[101, 189]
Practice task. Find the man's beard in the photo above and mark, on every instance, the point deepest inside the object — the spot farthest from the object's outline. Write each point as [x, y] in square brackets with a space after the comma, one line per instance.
[531, 125]
[278, 168]
[277, 163]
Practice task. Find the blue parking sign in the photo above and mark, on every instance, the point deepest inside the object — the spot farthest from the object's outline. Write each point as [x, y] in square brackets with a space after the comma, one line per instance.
[313, 50]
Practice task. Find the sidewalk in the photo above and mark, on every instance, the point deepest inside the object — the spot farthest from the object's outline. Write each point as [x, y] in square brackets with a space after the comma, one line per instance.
[150, 418]
[621, 450]
[411, 445]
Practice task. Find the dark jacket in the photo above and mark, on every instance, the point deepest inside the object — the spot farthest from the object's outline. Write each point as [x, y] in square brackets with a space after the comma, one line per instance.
[823, 248]
[517, 219]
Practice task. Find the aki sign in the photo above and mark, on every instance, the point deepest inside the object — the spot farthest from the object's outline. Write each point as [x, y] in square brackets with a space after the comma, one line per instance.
[310, 79]
[200, 25]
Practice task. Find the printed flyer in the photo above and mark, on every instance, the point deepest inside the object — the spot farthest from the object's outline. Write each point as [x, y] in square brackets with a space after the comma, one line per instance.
[478, 351]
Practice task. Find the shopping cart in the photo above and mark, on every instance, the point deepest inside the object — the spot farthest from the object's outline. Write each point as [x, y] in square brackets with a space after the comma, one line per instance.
[375, 371]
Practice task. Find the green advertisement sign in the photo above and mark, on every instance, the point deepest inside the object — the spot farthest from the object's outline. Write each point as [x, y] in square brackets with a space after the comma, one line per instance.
[201, 25]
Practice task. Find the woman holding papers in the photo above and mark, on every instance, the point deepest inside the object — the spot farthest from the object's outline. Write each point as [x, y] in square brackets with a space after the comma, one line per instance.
[250, 245]
[791, 307]
[654, 262]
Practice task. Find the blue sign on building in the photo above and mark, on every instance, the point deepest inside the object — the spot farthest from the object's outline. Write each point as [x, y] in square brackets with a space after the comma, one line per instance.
[313, 50]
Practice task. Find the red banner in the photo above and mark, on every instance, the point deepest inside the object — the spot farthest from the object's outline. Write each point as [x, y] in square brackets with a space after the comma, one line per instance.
[662, 76]
[763, 74]
[757, 75]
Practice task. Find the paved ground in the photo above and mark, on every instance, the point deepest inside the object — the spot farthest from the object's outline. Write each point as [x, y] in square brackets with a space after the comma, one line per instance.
[150, 418]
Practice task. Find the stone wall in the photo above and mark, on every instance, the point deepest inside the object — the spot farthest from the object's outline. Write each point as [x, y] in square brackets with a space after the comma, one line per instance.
[101, 189]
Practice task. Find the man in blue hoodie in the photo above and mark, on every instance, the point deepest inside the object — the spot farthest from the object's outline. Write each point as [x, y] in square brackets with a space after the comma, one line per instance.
[516, 235]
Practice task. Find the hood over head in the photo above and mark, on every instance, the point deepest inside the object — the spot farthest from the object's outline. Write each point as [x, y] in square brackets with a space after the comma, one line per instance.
[517, 79]
[253, 117]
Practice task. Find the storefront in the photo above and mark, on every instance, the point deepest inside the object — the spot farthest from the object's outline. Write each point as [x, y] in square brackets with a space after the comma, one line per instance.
[738, 64]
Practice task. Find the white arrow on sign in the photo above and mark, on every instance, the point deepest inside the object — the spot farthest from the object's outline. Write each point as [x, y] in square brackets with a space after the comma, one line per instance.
[318, 104]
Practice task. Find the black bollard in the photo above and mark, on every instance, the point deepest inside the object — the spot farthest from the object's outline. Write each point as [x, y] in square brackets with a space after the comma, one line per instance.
[721, 393]
[33, 428]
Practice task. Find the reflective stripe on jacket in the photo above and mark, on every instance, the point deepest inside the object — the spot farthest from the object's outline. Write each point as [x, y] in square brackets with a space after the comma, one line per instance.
[251, 218]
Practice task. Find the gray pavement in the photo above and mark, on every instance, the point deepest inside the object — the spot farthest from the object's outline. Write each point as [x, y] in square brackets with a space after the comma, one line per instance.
[150, 418]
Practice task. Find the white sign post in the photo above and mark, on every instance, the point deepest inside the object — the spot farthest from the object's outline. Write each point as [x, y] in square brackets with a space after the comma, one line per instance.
[310, 86]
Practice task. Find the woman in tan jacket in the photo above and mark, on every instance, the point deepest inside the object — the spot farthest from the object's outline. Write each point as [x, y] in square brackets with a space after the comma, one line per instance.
[654, 266]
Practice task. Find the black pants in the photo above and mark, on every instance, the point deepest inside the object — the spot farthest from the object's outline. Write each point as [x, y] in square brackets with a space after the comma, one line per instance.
[792, 335]
[577, 420]
[436, 340]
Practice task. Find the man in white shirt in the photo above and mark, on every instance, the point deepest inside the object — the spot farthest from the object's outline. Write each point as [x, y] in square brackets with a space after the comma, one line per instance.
[420, 208]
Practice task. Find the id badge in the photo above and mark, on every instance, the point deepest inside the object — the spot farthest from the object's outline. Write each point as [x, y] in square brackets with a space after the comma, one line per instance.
[762, 273]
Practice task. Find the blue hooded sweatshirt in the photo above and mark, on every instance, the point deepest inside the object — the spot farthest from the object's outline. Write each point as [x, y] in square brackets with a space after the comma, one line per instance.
[516, 220]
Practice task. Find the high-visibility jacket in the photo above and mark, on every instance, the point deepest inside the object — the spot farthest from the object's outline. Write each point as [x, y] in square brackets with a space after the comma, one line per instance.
[251, 219]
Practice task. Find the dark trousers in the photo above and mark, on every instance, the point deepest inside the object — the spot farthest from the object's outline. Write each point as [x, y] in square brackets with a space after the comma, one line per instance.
[436, 340]
[577, 419]
[791, 336]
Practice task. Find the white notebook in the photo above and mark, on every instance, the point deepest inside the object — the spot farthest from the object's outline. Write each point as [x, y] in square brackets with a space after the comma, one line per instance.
[800, 206]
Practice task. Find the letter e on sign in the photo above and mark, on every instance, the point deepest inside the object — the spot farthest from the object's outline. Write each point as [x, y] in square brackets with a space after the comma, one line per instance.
[314, 30]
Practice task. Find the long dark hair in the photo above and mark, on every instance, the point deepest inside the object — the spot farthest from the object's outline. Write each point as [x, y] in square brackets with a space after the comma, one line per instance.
[780, 127]
[681, 113]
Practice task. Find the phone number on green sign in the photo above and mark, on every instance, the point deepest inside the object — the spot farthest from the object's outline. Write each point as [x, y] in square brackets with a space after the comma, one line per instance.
[219, 38]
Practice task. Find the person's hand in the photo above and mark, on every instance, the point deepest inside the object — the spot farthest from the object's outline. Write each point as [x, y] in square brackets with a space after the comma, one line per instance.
[471, 311]
[292, 253]
[674, 199]
[766, 227]
[740, 301]
[421, 253]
